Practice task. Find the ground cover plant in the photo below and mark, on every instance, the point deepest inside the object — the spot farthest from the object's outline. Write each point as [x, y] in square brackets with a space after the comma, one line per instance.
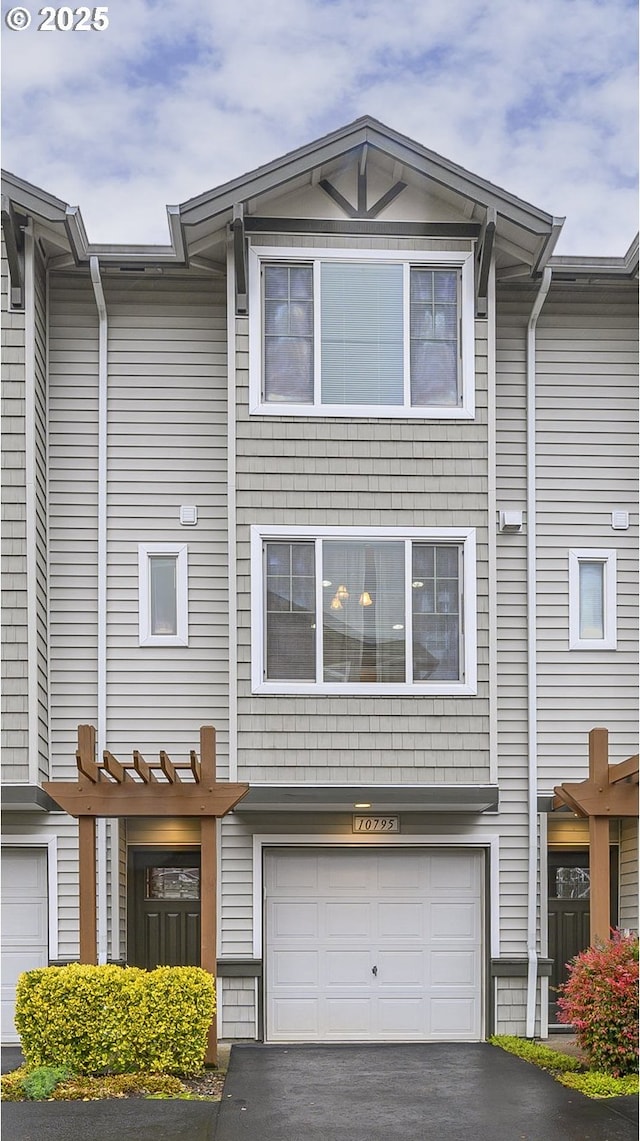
[19, 1086]
[567, 1070]
[600, 999]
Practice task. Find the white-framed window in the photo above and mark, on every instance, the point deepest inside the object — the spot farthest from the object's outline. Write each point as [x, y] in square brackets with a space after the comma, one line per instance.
[163, 594]
[361, 333]
[356, 610]
[592, 599]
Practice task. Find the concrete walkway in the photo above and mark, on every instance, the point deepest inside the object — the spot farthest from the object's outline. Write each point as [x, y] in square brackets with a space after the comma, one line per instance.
[436, 1092]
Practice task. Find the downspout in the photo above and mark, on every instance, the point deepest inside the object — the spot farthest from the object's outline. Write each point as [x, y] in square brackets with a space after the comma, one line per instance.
[532, 685]
[94, 266]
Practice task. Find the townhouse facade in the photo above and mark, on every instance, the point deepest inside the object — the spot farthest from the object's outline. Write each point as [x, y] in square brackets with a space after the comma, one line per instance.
[348, 471]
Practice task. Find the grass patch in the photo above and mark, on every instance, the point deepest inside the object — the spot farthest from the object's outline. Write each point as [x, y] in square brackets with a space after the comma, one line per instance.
[567, 1070]
[595, 1084]
[543, 1056]
[57, 1084]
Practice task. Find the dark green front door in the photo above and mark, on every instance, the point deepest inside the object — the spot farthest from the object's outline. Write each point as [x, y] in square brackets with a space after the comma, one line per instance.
[569, 913]
[164, 908]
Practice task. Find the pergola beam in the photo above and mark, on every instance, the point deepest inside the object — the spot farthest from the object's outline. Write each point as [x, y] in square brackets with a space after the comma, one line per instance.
[122, 796]
[610, 791]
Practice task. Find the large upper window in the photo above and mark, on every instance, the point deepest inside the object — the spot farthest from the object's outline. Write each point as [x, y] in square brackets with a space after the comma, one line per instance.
[356, 611]
[361, 333]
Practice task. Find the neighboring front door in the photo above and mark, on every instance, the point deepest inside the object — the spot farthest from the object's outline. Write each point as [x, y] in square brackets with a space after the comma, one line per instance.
[164, 908]
[569, 913]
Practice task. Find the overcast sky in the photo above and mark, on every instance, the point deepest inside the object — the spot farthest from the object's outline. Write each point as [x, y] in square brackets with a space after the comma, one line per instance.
[177, 96]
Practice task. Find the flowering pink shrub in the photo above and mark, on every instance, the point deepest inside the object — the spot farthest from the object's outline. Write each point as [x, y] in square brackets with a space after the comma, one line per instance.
[600, 998]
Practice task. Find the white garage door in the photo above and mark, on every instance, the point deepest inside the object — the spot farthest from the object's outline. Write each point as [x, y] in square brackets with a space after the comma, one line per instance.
[25, 936]
[373, 945]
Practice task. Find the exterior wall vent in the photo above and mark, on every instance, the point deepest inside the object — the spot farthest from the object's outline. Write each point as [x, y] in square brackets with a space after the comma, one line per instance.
[189, 516]
[620, 520]
[511, 521]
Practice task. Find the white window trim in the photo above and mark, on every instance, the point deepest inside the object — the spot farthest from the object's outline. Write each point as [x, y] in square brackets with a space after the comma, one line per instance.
[464, 535]
[436, 258]
[608, 560]
[181, 638]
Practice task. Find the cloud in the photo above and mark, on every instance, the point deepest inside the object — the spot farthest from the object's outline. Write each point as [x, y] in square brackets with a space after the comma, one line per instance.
[173, 99]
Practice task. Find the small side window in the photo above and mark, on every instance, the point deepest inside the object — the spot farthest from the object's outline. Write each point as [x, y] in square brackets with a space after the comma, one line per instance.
[592, 599]
[163, 579]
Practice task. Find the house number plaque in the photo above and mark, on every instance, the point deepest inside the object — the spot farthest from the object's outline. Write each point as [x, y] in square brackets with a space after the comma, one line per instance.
[371, 823]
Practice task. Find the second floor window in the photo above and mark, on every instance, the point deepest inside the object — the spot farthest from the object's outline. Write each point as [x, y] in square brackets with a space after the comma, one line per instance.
[346, 613]
[355, 336]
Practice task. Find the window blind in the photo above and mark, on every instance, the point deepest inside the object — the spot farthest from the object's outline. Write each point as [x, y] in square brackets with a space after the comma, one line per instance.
[362, 333]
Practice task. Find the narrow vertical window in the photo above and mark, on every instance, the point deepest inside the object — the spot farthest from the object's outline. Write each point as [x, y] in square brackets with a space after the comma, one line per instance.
[592, 599]
[288, 333]
[434, 337]
[163, 587]
[290, 611]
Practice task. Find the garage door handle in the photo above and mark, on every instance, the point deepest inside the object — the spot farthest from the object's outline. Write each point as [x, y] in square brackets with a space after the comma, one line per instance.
[374, 970]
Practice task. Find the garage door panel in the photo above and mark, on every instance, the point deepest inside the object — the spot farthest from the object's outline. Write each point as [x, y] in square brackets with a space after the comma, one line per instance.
[295, 1018]
[452, 921]
[454, 1018]
[347, 968]
[296, 968]
[402, 1018]
[24, 924]
[455, 874]
[401, 968]
[400, 920]
[382, 909]
[399, 873]
[458, 968]
[300, 874]
[346, 1019]
[347, 920]
[294, 919]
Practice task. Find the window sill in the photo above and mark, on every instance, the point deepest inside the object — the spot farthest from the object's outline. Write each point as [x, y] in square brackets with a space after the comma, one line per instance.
[362, 411]
[368, 689]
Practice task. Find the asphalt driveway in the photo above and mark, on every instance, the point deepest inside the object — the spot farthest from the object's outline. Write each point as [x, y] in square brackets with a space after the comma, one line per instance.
[435, 1092]
[347, 1093]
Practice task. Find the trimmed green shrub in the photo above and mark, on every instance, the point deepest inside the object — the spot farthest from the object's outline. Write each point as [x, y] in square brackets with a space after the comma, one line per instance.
[543, 1056]
[594, 1084]
[124, 1020]
[600, 999]
[40, 1083]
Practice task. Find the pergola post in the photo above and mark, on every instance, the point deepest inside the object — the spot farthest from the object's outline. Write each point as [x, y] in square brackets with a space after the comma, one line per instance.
[599, 858]
[87, 886]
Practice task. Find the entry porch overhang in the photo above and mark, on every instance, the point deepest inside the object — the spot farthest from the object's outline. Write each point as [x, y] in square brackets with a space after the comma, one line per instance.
[378, 798]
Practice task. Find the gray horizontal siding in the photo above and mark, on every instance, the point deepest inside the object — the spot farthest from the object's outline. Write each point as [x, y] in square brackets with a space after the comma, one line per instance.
[294, 471]
[15, 697]
[587, 465]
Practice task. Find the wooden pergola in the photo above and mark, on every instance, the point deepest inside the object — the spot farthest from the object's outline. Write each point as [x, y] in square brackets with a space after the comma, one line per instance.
[610, 791]
[113, 788]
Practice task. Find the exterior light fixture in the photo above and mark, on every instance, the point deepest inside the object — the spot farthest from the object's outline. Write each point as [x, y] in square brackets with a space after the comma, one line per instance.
[363, 805]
